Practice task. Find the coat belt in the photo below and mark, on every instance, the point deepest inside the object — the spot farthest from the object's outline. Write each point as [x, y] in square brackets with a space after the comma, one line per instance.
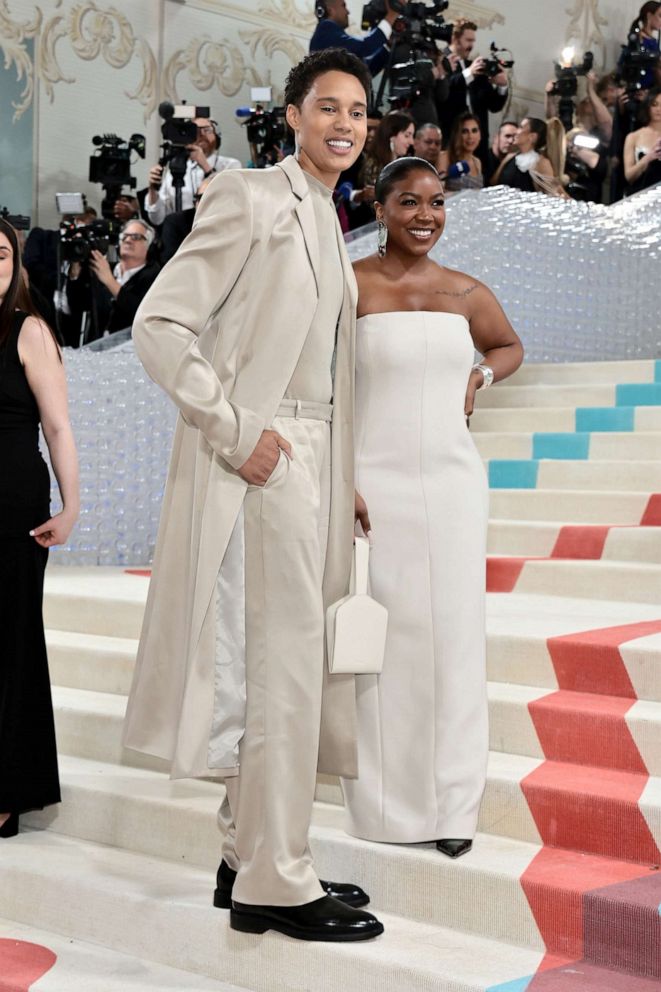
[305, 410]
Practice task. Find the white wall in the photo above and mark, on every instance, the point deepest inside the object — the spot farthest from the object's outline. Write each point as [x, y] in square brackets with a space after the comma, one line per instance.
[104, 65]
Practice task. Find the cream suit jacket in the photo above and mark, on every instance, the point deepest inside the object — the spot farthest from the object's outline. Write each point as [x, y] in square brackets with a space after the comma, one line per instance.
[221, 331]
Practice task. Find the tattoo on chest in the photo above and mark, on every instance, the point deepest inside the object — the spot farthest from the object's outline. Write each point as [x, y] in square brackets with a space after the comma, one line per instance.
[464, 292]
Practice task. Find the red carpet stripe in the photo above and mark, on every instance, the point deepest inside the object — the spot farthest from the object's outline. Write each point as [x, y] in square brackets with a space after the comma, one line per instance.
[590, 661]
[580, 542]
[585, 889]
[652, 514]
[22, 964]
[503, 573]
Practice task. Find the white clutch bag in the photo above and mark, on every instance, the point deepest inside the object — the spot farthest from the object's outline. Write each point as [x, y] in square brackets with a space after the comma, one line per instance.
[356, 625]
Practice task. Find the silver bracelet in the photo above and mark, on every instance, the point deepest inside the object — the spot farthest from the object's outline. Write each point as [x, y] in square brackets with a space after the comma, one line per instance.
[487, 375]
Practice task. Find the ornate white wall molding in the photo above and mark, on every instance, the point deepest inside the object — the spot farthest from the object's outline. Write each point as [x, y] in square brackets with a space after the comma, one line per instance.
[13, 35]
[97, 33]
[208, 63]
[484, 17]
[585, 26]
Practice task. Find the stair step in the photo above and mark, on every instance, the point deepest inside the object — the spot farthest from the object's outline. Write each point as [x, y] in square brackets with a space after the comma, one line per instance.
[162, 912]
[67, 963]
[548, 373]
[629, 446]
[590, 476]
[90, 661]
[543, 395]
[625, 581]
[565, 419]
[568, 506]
[538, 538]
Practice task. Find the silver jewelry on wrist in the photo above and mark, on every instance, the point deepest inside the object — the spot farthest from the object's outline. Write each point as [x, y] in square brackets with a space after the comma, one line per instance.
[487, 375]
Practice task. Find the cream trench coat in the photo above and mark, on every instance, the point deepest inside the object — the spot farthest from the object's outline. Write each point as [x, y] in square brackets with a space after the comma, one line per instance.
[221, 331]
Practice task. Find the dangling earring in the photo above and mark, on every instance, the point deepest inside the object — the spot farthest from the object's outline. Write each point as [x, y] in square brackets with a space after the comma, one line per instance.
[383, 239]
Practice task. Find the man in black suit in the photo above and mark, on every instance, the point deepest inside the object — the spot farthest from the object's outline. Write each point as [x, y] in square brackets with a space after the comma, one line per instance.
[177, 226]
[331, 32]
[125, 285]
[470, 88]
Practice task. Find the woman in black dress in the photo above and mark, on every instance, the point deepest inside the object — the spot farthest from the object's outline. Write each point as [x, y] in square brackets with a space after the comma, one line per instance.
[32, 391]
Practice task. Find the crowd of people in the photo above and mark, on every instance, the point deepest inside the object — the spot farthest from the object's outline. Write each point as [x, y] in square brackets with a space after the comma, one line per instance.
[612, 149]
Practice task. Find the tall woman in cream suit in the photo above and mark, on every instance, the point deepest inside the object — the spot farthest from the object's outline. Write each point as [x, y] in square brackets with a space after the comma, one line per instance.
[422, 724]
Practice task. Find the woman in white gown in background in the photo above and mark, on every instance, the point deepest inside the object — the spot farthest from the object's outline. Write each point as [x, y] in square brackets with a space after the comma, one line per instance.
[423, 723]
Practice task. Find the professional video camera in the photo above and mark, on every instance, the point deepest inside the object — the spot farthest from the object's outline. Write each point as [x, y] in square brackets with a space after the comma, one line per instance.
[635, 62]
[566, 84]
[18, 221]
[419, 27]
[77, 243]
[179, 131]
[266, 130]
[110, 166]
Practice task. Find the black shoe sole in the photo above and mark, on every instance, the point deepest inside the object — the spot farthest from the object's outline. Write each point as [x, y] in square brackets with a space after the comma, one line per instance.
[223, 900]
[249, 923]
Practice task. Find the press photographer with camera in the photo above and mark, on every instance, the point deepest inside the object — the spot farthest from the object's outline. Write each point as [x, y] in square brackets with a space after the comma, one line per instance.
[204, 159]
[480, 85]
[125, 284]
[331, 32]
[642, 148]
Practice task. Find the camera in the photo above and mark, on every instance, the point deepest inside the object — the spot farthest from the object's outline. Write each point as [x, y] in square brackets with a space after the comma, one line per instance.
[636, 61]
[416, 32]
[77, 243]
[496, 63]
[266, 130]
[178, 130]
[566, 87]
[18, 221]
[110, 166]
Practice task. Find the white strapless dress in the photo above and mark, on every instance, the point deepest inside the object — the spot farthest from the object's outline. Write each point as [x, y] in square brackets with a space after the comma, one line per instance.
[422, 723]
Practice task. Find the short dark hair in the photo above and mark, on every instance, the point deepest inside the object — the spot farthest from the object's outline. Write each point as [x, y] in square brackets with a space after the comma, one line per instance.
[397, 170]
[508, 124]
[301, 76]
[463, 24]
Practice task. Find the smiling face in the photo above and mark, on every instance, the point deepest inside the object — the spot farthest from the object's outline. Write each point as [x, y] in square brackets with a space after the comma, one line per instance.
[330, 125]
[6, 264]
[414, 213]
[463, 45]
[469, 136]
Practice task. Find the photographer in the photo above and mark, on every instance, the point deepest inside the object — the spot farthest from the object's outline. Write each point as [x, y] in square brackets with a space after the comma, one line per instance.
[501, 146]
[125, 285]
[471, 88]
[204, 160]
[177, 226]
[642, 148]
[331, 32]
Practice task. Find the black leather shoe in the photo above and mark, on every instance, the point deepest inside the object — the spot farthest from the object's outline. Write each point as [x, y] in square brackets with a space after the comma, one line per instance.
[351, 895]
[454, 848]
[323, 919]
[10, 827]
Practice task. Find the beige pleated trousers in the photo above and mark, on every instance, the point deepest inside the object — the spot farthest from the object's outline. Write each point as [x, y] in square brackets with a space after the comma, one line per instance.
[268, 807]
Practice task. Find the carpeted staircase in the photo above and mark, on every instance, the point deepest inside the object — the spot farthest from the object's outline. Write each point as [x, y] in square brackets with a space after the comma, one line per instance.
[562, 892]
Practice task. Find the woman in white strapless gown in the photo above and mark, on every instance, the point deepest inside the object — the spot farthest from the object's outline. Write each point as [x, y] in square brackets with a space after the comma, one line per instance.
[423, 723]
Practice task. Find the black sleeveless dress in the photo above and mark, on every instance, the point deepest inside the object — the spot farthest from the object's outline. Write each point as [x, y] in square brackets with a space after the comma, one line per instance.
[28, 757]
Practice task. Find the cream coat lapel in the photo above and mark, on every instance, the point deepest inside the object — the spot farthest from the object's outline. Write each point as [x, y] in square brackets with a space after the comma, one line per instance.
[304, 211]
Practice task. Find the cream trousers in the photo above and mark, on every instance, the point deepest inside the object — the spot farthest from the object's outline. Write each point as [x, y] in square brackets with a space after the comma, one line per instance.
[268, 806]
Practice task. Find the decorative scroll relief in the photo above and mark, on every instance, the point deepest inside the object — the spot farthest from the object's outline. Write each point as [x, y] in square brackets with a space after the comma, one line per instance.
[95, 33]
[13, 35]
[289, 12]
[208, 63]
[585, 26]
[484, 17]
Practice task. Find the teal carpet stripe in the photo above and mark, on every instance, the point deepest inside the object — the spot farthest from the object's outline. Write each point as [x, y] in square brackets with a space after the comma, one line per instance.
[505, 474]
[638, 394]
[565, 446]
[657, 370]
[518, 985]
[605, 418]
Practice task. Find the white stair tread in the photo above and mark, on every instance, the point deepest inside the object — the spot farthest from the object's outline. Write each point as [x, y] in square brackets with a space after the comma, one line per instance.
[87, 967]
[94, 642]
[162, 911]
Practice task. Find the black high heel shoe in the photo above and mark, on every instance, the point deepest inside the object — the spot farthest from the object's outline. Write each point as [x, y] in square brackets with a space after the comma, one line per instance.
[454, 848]
[10, 827]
